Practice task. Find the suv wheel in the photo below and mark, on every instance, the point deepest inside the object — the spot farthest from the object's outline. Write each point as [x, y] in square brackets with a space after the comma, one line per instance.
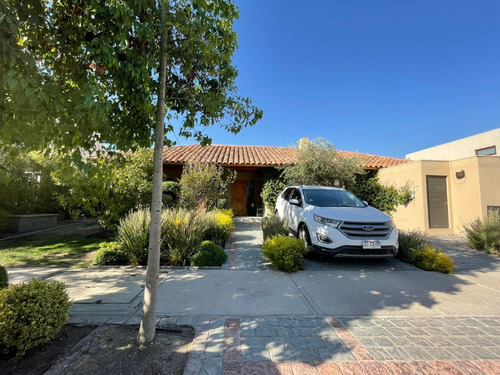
[304, 235]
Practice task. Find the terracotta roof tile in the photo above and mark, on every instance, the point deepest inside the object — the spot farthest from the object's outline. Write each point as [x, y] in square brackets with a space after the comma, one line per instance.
[269, 156]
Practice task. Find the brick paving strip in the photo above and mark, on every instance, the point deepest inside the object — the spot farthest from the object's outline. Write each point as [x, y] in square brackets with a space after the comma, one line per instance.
[245, 346]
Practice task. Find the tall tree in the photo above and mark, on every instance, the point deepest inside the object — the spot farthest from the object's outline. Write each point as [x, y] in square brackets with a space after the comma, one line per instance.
[76, 73]
[318, 163]
[148, 321]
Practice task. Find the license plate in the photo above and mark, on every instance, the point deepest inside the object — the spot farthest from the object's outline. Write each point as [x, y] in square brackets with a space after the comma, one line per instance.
[372, 245]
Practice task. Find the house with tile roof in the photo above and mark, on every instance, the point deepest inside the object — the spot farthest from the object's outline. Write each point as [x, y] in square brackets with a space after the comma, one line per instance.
[250, 163]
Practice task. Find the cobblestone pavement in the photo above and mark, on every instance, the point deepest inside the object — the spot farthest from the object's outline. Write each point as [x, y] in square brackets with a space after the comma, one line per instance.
[327, 345]
[344, 345]
[249, 239]
[467, 260]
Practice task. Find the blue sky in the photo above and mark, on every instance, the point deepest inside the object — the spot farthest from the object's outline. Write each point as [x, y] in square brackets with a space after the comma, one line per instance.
[376, 76]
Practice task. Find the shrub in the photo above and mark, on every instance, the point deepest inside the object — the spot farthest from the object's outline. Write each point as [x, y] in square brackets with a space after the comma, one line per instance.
[31, 314]
[270, 193]
[107, 186]
[226, 211]
[410, 240]
[110, 254]
[4, 278]
[384, 197]
[484, 234]
[318, 163]
[432, 259]
[285, 253]
[220, 227]
[209, 255]
[182, 232]
[3, 220]
[170, 193]
[273, 226]
[133, 236]
[204, 184]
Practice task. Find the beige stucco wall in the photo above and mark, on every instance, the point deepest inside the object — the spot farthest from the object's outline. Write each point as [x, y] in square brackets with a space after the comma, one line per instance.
[489, 180]
[412, 216]
[461, 148]
[468, 197]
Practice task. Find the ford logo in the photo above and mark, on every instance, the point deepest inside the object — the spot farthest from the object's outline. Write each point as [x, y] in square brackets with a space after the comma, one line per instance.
[368, 228]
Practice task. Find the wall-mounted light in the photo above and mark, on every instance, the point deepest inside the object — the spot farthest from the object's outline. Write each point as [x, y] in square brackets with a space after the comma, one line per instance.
[460, 174]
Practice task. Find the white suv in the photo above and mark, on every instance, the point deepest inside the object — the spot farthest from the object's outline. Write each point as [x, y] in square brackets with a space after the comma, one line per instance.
[335, 222]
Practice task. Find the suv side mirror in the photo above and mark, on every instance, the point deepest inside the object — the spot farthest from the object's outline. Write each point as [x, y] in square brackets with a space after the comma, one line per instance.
[366, 203]
[295, 202]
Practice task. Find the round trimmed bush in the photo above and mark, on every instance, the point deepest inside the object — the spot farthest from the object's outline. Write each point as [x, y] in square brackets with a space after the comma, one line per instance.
[31, 314]
[110, 254]
[285, 253]
[209, 255]
[4, 279]
[432, 259]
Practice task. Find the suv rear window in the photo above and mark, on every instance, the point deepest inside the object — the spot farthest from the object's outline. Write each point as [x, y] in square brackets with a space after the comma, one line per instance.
[331, 198]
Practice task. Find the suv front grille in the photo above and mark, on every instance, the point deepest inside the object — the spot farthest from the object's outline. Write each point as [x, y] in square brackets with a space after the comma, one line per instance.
[353, 229]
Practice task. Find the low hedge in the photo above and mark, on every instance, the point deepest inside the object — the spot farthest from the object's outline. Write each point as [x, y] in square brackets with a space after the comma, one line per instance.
[31, 314]
[285, 253]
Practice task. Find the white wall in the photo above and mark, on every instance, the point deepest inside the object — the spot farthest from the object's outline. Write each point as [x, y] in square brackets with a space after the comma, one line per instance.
[459, 149]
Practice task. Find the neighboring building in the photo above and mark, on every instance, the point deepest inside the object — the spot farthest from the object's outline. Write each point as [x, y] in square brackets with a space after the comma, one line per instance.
[453, 183]
[250, 163]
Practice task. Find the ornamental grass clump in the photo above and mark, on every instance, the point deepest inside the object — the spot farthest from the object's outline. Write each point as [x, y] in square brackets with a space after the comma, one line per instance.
[285, 253]
[133, 236]
[410, 240]
[31, 314]
[432, 259]
[182, 232]
[484, 234]
[220, 226]
[273, 226]
[209, 255]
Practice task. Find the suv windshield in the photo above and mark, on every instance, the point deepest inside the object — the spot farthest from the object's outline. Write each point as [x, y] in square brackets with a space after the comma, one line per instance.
[331, 198]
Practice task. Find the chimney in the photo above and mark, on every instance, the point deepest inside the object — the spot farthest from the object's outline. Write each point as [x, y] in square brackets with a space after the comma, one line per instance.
[303, 141]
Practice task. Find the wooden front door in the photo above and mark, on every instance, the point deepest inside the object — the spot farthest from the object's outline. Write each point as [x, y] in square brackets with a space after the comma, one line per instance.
[239, 197]
[437, 202]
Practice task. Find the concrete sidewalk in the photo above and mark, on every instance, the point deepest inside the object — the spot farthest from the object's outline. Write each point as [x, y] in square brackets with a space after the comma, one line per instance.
[359, 315]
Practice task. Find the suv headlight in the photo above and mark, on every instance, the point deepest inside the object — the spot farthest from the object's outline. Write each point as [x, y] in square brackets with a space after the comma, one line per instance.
[391, 224]
[325, 221]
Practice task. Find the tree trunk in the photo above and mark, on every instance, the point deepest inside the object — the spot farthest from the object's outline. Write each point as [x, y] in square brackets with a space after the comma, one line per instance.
[148, 321]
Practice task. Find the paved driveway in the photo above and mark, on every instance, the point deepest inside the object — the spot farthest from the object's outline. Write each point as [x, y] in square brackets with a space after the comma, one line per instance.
[362, 316]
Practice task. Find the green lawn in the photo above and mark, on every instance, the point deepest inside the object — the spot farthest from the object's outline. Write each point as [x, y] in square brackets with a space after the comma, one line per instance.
[62, 251]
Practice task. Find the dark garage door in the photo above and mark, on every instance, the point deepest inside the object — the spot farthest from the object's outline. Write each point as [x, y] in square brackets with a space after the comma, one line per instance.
[437, 202]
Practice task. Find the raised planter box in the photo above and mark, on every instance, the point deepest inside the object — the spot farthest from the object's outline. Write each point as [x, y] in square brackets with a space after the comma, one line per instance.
[30, 223]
